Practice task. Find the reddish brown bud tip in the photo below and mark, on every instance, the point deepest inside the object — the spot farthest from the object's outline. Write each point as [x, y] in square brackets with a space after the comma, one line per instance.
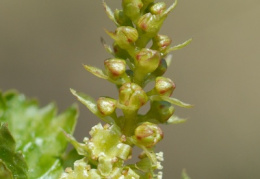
[115, 67]
[106, 106]
[148, 134]
[164, 86]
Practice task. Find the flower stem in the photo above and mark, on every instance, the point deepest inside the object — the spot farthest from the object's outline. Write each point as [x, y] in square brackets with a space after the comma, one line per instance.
[130, 122]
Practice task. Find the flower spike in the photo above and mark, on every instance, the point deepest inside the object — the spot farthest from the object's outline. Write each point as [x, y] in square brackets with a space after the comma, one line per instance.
[132, 65]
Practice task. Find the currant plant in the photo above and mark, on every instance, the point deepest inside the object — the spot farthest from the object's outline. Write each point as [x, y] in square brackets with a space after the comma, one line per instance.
[132, 66]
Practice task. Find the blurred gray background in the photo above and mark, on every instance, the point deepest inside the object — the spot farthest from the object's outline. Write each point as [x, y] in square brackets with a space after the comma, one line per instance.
[44, 43]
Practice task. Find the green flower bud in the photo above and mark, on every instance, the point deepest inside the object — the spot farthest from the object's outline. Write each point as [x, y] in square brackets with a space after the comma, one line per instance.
[106, 106]
[147, 60]
[161, 43]
[148, 134]
[158, 8]
[121, 18]
[150, 24]
[124, 36]
[132, 8]
[161, 111]
[132, 96]
[164, 86]
[115, 67]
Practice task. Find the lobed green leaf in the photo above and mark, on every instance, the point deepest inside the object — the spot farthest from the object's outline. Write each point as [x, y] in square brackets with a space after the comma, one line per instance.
[4, 171]
[38, 132]
[12, 163]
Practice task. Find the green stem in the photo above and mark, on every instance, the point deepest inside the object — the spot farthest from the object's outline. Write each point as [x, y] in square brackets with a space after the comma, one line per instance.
[130, 121]
[139, 77]
[142, 42]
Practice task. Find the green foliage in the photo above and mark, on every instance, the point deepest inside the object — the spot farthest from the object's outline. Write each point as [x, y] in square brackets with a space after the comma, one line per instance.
[4, 171]
[37, 132]
[12, 163]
